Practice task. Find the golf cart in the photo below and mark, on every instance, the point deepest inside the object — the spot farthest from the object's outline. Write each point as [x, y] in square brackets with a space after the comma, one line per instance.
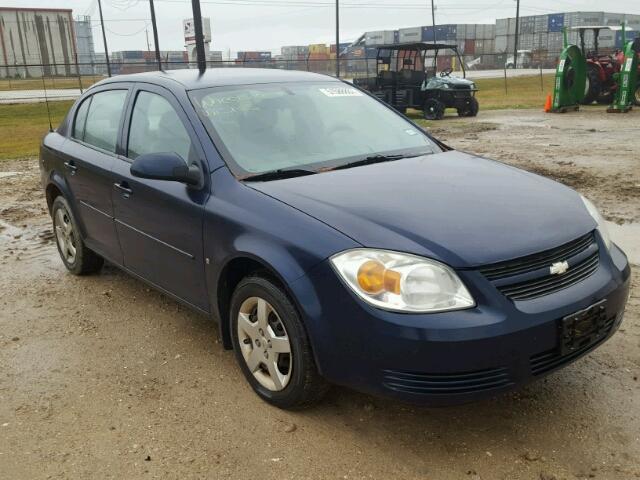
[602, 68]
[407, 77]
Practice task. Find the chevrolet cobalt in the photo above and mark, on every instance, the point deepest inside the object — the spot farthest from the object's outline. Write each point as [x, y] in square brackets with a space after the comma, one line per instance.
[334, 241]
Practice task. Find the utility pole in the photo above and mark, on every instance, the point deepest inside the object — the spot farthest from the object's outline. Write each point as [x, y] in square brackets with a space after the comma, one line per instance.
[146, 33]
[155, 34]
[197, 26]
[515, 45]
[433, 20]
[104, 39]
[337, 38]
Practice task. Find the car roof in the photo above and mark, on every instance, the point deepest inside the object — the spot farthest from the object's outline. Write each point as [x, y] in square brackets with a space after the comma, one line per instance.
[191, 79]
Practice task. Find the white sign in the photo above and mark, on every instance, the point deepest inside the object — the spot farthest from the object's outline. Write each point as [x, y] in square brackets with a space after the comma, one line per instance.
[189, 28]
[341, 92]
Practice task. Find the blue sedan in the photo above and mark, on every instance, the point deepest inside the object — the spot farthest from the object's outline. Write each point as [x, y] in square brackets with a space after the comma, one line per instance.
[334, 241]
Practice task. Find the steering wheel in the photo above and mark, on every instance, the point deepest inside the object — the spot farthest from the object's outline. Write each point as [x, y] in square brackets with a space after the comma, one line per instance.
[446, 72]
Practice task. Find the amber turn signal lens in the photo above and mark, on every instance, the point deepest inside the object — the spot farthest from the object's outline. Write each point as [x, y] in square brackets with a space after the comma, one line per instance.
[374, 278]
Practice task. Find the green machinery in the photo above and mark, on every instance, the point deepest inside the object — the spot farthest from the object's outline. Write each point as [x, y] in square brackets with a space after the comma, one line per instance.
[570, 80]
[571, 73]
[626, 78]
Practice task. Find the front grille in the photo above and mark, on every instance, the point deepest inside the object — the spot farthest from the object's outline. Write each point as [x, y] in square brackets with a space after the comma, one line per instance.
[450, 383]
[553, 359]
[529, 277]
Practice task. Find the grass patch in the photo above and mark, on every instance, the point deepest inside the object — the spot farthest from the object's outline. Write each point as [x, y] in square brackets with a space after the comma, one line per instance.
[521, 92]
[49, 83]
[23, 125]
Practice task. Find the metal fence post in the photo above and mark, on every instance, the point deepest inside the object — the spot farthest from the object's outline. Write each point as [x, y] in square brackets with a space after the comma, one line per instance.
[505, 80]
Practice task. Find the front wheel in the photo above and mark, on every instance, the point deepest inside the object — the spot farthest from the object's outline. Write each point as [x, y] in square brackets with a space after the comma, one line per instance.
[433, 109]
[272, 347]
[75, 255]
[471, 109]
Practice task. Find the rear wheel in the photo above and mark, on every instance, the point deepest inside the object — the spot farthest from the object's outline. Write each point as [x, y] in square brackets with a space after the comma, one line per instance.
[636, 96]
[272, 347]
[75, 255]
[433, 109]
[471, 109]
[593, 86]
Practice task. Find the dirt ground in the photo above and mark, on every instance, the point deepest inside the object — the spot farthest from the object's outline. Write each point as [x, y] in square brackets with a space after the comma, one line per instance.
[101, 377]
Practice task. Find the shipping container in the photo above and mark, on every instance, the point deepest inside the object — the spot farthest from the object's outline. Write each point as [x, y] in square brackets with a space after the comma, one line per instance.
[541, 41]
[470, 47]
[428, 34]
[379, 37]
[478, 47]
[505, 43]
[630, 35]
[632, 21]
[582, 19]
[526, 41]
[554, 41]
[502, 27]
[555, 22]
[461, 31]
[407, 35]
[542, 24]
[613, 19]
[445, 33]
[318, 48]
[527, 24]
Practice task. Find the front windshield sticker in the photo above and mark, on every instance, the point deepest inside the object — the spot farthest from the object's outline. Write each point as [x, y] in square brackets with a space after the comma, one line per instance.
[341, 92]
[411, 132]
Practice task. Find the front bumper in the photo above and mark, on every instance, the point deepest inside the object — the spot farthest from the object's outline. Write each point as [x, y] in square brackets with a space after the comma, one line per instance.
[451, 357]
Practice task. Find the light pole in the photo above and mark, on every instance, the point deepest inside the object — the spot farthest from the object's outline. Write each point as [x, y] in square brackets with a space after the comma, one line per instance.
[337, 38]
[515, 45]
[104, 39]
[155, 34]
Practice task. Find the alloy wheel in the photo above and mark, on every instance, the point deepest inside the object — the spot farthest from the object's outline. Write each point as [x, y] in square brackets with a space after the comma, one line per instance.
[264, 343]
[65, 235]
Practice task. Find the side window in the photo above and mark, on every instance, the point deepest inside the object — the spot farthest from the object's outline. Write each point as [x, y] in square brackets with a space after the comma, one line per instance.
[103, 120]
[156, 128]
[80, 120]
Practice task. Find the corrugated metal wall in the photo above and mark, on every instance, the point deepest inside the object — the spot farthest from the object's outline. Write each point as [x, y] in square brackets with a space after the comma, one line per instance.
[30, 37]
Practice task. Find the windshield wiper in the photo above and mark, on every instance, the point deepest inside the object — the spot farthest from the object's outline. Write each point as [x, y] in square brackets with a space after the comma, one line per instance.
[377, 159]
[279, 174]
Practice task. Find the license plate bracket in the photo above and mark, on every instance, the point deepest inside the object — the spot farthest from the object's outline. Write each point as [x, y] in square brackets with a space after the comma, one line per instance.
[583, 328]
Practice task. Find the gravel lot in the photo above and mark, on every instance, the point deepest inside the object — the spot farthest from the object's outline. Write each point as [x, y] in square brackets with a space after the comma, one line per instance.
[101, 377]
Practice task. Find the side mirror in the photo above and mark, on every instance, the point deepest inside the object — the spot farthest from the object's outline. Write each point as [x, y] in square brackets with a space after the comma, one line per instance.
[165, 166]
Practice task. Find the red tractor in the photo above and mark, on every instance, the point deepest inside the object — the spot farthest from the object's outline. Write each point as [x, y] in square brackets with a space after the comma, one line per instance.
[601, 67]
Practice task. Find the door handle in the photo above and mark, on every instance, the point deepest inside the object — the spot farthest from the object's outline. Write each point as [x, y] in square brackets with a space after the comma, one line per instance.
[71, 166]
[124, 188]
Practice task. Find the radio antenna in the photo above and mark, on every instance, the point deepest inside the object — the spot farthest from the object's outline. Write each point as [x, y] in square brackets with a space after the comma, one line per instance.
[46, 100]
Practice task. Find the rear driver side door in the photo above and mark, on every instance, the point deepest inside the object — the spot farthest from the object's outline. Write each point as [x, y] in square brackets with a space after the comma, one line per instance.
[159, 223]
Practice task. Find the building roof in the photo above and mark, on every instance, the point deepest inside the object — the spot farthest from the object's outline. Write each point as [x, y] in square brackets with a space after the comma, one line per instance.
[27, 9]
[190, 79]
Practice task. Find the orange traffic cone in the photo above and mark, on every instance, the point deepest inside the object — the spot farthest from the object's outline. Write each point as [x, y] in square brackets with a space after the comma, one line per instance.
[547, 104]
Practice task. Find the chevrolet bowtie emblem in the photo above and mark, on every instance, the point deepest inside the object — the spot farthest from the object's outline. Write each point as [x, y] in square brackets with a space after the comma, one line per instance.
[558, 268]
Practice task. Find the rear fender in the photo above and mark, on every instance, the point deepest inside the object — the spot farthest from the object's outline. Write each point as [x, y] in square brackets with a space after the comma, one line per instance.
[57, 181]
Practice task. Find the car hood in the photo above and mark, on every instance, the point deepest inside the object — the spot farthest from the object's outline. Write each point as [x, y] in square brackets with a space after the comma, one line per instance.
[458, 208]
[451, 82]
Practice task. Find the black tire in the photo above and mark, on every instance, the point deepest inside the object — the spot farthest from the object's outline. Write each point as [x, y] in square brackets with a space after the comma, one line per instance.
[433, 109]
[85, 261]
[471, 109]
[593, 87]
[636, 96]
[305, 386]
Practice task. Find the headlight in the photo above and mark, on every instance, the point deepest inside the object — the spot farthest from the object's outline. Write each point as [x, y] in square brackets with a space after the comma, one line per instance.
[401, 282]
[602, 226]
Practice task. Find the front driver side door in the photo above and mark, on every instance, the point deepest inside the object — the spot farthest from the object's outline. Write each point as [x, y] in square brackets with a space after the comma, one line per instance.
[159, 223]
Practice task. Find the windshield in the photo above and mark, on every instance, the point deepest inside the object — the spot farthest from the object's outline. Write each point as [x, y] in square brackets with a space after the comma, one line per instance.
[267, 127]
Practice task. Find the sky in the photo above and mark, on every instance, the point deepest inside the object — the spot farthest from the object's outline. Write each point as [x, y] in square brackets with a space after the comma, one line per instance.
[239, 25]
